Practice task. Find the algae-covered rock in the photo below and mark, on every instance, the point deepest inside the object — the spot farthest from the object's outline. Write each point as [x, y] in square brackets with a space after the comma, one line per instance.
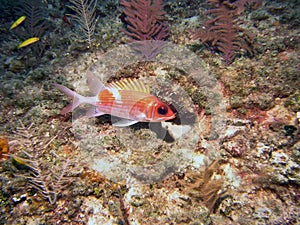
[260, 14]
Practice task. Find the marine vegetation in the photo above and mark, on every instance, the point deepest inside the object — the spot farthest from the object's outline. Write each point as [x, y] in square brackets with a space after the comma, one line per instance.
[223, 33]
[203, 186]
[85, 15]
[145, 22]
[32, 34]
[4, 147]
[49, 177]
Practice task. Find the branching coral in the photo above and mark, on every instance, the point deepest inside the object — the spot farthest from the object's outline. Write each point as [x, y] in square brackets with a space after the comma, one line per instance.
[86, 16]
[48, 176]
[145, 23]
[222, 32]
[35, 25]
[241, 4]
[145, 20]
[35, 21]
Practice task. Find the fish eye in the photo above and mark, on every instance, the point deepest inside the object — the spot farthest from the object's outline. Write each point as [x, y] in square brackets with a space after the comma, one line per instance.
[162, 110]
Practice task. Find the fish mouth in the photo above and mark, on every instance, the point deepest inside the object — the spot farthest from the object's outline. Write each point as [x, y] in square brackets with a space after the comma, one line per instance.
[168, 118]
[172, 117]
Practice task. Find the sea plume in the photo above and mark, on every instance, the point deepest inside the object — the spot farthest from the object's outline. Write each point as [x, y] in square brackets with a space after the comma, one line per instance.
[85, 15]
[46, 172]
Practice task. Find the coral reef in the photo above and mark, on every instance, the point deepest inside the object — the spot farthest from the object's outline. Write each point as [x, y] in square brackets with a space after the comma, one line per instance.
[192, 170]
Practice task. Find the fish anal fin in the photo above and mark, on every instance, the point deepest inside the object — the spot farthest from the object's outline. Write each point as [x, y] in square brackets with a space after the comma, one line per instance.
[124, 123]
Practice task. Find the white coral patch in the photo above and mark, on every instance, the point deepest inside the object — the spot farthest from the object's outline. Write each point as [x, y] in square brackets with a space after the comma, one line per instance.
[176, 131]
[231, 177]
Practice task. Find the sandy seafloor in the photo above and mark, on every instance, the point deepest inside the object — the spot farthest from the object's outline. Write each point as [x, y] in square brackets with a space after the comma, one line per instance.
[232, 155]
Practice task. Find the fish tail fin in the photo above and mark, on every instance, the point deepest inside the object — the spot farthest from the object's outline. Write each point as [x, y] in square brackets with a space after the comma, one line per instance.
[77, 98]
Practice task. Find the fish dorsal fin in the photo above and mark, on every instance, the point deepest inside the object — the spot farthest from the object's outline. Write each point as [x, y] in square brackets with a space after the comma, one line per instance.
[94, 83]
[131, 85]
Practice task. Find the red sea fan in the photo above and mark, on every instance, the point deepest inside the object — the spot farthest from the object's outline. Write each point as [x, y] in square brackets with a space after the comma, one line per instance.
[145, 22]
[241, 4]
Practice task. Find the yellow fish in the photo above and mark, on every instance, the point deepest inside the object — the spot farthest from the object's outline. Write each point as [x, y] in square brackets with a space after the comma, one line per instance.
[21, 161]
[17, 22]
[3, 148]
[29, 41]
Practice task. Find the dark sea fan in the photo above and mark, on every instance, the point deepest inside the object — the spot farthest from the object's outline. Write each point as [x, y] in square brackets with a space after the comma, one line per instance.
[35, 12]
[223, 32]
[145, 24]
[242, 4]
[145, 20]
[35, 25]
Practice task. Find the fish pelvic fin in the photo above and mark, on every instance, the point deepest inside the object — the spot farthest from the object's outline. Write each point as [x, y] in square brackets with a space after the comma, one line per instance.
[77, 98]
[93, 112]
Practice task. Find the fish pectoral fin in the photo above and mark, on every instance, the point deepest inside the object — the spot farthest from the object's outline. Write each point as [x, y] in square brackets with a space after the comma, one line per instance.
[93, 112]
[124, 123]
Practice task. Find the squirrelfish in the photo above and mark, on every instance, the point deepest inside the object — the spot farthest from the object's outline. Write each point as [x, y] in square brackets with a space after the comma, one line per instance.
[129, 99]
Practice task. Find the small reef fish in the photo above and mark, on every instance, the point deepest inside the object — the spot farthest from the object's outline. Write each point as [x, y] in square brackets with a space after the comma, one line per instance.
[67, 21]
[17, 22]
[29, 41]
[129, 99]
[3, 148]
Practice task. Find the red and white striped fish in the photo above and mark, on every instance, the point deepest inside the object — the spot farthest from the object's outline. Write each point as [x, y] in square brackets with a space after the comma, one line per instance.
[129, 99]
